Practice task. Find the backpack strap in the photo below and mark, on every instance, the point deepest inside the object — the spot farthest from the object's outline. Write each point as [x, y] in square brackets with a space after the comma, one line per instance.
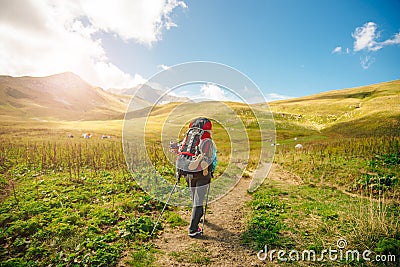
[188, 143]
[186, 153]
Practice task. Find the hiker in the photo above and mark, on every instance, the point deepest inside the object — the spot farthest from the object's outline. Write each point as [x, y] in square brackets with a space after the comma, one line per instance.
[196, 161]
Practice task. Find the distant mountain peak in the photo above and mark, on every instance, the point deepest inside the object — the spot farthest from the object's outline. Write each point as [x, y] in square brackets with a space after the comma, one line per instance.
[67, 74]
[149, 94]
[60, 96]
[65, 80]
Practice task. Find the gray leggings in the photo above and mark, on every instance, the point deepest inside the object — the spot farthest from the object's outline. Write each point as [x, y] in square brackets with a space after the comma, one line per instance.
[198, 185]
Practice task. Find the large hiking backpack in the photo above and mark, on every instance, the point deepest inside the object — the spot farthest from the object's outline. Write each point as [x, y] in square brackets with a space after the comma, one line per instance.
[197, 136]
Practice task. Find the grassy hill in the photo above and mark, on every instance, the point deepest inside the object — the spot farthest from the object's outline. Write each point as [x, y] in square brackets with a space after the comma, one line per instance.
[58, 97]
[71, 201]
[67, 97]
[362, 111]
[372, 110]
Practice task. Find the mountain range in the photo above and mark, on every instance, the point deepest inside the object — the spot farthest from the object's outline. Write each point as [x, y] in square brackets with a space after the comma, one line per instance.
[373, 109]
[66, 96]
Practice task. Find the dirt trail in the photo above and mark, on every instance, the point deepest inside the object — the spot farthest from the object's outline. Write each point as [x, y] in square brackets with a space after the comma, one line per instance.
[220, 245]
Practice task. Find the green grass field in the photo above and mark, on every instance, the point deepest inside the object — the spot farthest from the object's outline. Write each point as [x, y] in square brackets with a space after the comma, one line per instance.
[72, 202]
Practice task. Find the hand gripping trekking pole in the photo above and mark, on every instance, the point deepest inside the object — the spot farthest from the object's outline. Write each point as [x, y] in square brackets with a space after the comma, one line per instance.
[205, 209]
[165, 205]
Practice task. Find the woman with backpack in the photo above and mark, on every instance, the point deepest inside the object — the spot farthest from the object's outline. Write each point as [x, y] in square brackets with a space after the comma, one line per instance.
[196, 161]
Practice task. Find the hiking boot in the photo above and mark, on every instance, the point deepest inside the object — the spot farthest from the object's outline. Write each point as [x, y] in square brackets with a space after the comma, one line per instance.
[196, 232]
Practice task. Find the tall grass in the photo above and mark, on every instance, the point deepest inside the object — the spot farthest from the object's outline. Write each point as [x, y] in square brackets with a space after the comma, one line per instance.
[65, 156]
[70, 202]
[347, 163]
[351, 189]
[376, 225]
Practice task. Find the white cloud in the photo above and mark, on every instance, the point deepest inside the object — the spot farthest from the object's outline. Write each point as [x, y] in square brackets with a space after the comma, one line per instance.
[41, 38]
[340, 50]
[163, 67]
[112, 77]
[139, 20]
[213, 92]
[274, 96]
[394, 40]
[337, 50]
[366, 61]
[366, 38]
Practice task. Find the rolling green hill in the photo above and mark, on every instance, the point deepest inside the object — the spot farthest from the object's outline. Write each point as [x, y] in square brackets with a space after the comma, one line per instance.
[362, 111]
[372, 110]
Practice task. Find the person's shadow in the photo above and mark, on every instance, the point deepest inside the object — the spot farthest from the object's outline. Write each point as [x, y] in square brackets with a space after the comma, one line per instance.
[224, 236]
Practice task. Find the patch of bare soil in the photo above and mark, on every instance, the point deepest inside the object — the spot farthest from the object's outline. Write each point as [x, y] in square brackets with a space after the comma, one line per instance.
[220, 245]
[278, 174]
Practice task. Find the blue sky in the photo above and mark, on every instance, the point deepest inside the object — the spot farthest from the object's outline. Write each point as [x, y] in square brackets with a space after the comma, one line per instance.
[284, 46]
[289, 48]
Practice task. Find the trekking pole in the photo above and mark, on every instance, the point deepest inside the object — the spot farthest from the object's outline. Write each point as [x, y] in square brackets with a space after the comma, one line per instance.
[165, 205]
[205, 209]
